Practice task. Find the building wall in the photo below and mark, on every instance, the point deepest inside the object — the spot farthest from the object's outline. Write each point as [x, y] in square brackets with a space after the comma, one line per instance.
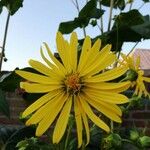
[139, 117]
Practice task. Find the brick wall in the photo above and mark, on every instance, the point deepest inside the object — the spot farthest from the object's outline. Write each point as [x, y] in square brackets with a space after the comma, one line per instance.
[17, 104]
[137, 117]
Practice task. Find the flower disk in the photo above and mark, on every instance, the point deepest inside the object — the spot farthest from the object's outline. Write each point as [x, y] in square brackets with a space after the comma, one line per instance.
[73, 82]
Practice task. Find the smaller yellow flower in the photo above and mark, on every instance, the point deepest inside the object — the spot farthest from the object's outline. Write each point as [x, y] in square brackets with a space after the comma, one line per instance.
[136, 75]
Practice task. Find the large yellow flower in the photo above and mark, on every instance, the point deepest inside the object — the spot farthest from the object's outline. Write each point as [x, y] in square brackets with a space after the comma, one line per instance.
[137, 75]
[74, 81]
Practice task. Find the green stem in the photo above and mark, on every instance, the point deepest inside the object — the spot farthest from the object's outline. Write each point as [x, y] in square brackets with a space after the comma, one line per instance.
[133, 48]
[4, 41]
[130, 6]
[126, 140]
[101, 19]
[141, 6]
[110, 14]
[83, 146]
[78, 9]
[84, 31]
[67, 138]
[111, 126]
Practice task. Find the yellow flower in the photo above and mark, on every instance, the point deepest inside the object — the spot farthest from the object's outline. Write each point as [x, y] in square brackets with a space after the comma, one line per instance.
[77, 83]
[138, 75]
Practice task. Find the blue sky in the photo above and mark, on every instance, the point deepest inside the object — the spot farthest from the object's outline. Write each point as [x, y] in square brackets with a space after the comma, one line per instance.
[38, 22]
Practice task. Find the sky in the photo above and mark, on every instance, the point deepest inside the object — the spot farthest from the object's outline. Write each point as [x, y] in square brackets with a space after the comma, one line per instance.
[37, 22]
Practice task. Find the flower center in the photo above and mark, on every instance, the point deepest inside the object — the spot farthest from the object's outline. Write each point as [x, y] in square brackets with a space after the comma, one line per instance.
[131, 75]
[72, 83]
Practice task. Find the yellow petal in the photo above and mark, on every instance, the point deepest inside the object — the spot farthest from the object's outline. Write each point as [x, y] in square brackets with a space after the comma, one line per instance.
[137, 65]
[92, 116]
[94, 52]
[85, 122]
[92, 55]
[108, 75]
[78, 122]
[63, 53]
[104, 96]
[50, 116]
[38, 88]
[115, 87]
[146, 79]
[46, 60]
[96, 67]
[73, 50]
[54, 69]
[62, 121]
[105, 110]
[58, 64]
[101, 55]
[85, 49]
[63, 48]
[33, 77]
[41, 68]
[112, 107]
[39, 102]
[44, 110]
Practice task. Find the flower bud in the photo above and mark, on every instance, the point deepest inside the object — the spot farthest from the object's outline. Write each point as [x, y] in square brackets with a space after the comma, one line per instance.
[134, 135]
[145, 141]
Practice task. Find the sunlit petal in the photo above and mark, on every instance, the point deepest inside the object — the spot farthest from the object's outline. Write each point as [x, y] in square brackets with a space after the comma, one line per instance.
[62, 121]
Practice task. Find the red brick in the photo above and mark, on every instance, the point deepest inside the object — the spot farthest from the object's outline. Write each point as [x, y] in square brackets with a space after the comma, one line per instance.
[133, 123]
[141, 115]
[147, 132]
[9, 121]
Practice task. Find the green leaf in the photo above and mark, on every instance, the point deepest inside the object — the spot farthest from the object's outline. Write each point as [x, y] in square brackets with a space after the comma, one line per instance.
[88, 12]
[6, 132]
[11, 5]
[144, 141]
[96, 136]
[4, 107]
[21, 134]
[146, 1]
[68, 27]
[143, 29]
[129, 146]
[128, 27]
[132, 23]
[117, 3]
[9, 81]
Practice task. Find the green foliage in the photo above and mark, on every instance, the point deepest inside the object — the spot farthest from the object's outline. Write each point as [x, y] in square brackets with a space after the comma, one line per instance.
[4, 107]
[32, 144]
[146, 1]
[112, 141]
[9, 81]
[11, 5]
[144, 141]
[134, 135]
[117, 3]
[88, 12]
[18, 135]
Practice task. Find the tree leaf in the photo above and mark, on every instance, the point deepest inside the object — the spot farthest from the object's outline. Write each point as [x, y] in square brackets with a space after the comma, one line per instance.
[68, 27]
[117, 4]
[9, 81]
[4, 107]
[143, 29]
[21, 134]
[88, 12]
[146, 1]
[11, 5]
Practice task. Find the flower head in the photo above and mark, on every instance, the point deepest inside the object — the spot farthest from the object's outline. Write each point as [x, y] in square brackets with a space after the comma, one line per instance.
[136, 74]
[75, 82]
